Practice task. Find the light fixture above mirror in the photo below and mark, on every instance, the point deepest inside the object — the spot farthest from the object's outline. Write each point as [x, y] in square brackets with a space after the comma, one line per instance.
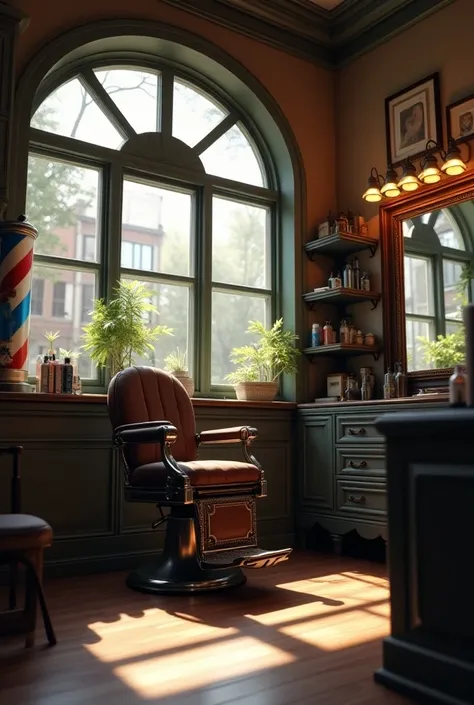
[430, 173]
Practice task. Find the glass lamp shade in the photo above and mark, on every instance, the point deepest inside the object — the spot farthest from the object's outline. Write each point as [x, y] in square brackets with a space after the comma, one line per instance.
[454, 166]
[390, 189]
[372, 195]
[410, 182]
[430, 175]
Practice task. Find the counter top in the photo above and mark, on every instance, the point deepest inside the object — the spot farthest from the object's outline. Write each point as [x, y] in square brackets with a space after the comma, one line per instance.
[417, 399]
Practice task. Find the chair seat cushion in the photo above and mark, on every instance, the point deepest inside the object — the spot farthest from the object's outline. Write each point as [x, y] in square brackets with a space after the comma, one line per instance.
[21, 524]
[200, 472]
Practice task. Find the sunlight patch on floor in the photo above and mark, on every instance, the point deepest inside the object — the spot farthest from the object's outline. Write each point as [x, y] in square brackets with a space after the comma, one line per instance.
[337, 631]
[165, 676]
[158, 634]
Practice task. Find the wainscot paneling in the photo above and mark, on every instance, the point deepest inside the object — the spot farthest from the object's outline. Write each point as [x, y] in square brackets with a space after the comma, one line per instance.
[72, 477]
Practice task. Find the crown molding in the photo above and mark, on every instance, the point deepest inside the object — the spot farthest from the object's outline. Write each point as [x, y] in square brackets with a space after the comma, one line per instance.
[330, 38]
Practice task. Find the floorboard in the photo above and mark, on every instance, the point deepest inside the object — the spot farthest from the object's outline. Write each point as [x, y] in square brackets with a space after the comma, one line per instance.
[308, 631]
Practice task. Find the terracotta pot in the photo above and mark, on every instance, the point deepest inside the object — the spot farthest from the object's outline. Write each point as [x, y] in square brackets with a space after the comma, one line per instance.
[186, 381]
[256, 391]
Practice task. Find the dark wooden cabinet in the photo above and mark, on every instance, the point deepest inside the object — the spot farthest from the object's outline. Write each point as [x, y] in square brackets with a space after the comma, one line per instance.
[430, 479]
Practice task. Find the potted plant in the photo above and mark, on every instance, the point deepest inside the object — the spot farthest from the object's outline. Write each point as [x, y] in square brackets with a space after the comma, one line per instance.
[118, 330]
[51, 338]
[261, 364]
[175, 363]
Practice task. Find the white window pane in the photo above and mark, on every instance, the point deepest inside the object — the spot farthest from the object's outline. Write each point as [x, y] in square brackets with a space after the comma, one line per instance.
[195, 113]
[173, 303]
[127, 254]
[448, 232]
[62, 202]
[231, 314]
[416, 356]
[418, 286]
[134, 93]
[240, 244]
[161, 221]
[454, 298]
[453, 327]
[233, 157]
[62, 310]
[71, 111]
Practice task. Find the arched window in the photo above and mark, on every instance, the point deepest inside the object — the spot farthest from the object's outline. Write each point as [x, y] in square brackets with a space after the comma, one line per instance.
[139, 172]
[436, 254]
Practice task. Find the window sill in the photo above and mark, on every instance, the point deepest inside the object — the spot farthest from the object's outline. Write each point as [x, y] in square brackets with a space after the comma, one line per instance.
[102, 399]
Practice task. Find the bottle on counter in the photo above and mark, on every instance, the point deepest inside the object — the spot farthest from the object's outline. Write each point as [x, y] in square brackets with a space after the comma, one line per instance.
[389, 385]
[331, 281]
[359, 338]
[327, 333]
[458, 387]
[315, 335]
[356, 274]
[400, 381]
[337, 281]
[365, 281]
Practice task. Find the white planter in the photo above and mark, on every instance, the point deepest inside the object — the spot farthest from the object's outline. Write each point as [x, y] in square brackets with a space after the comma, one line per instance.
[186, 381]
[256, 391]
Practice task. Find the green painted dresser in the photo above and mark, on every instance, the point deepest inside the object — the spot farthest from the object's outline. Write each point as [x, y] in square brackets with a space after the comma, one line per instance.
[341, 483]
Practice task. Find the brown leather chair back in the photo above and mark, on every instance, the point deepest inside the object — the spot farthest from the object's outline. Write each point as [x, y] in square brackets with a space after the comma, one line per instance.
[140, 394]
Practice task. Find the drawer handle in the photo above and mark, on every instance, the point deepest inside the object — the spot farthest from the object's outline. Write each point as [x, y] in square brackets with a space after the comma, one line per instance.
[357, 432]
[358, 466]
[356, 500]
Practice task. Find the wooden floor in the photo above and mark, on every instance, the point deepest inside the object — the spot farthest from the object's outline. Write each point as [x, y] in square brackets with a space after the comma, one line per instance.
[308, 632]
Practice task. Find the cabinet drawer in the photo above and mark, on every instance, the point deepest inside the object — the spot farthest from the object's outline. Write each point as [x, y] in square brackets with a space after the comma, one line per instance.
[360, 460]
[357, 428]
[364, 499]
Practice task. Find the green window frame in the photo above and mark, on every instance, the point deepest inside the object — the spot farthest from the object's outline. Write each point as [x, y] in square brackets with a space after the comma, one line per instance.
[432, 272]
[115, 165]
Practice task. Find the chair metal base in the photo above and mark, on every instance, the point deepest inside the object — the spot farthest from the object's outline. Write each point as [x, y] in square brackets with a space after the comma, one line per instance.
[178, 570]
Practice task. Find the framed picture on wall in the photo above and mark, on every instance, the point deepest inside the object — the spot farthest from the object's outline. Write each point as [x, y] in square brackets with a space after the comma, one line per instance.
[413, 116]
[460, 118]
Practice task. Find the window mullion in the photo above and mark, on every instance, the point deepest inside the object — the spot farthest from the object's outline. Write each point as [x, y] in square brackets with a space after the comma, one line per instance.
[111, 228]
[166, 103]
[439, 295]
[203, 294]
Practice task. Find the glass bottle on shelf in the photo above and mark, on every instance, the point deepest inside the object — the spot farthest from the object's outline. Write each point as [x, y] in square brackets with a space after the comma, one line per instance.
[458, 387]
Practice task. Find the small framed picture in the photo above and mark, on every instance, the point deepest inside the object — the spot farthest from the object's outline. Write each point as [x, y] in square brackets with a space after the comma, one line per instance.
[460, 118]
[413, 116]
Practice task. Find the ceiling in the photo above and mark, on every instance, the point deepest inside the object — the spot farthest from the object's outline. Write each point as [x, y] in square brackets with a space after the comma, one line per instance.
[327, 4]
[325, 32]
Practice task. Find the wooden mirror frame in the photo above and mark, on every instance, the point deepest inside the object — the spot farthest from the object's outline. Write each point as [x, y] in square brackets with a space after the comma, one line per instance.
[449, 191]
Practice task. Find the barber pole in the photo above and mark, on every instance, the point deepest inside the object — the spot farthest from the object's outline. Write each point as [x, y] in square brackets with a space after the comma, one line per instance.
[16, 260]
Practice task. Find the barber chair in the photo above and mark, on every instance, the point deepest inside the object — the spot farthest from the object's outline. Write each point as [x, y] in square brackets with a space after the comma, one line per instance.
[211, 530]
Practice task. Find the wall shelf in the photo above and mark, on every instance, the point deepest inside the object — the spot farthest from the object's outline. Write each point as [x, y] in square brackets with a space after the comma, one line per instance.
[340, 245]
[341, 297]
[342, 350]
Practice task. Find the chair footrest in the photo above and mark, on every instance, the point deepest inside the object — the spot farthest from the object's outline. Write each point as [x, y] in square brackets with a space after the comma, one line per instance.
[249, 557]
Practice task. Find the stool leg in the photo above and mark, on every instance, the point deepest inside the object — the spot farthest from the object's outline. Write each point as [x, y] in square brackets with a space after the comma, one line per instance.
[13, 585]
[31, 596]
[35, 569]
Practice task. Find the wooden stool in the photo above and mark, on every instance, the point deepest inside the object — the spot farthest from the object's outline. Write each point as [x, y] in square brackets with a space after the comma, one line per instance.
[23, 539]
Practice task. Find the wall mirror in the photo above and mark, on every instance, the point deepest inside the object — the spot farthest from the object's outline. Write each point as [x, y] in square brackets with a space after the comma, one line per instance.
[427, 244]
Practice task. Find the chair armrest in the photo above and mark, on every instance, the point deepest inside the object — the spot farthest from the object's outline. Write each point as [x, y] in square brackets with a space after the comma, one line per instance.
[235, 434]
[146, 432]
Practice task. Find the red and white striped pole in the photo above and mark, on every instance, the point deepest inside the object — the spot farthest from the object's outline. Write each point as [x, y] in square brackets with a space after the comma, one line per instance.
[17, 238]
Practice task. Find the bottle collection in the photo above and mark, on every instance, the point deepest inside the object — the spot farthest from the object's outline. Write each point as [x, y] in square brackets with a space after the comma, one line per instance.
[395, 383]
[351, 277]
[55, 377]
[347, 335]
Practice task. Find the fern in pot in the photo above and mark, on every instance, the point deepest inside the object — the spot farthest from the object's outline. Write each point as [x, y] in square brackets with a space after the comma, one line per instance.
[261, 364]
[118, 330]
[176, 364]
